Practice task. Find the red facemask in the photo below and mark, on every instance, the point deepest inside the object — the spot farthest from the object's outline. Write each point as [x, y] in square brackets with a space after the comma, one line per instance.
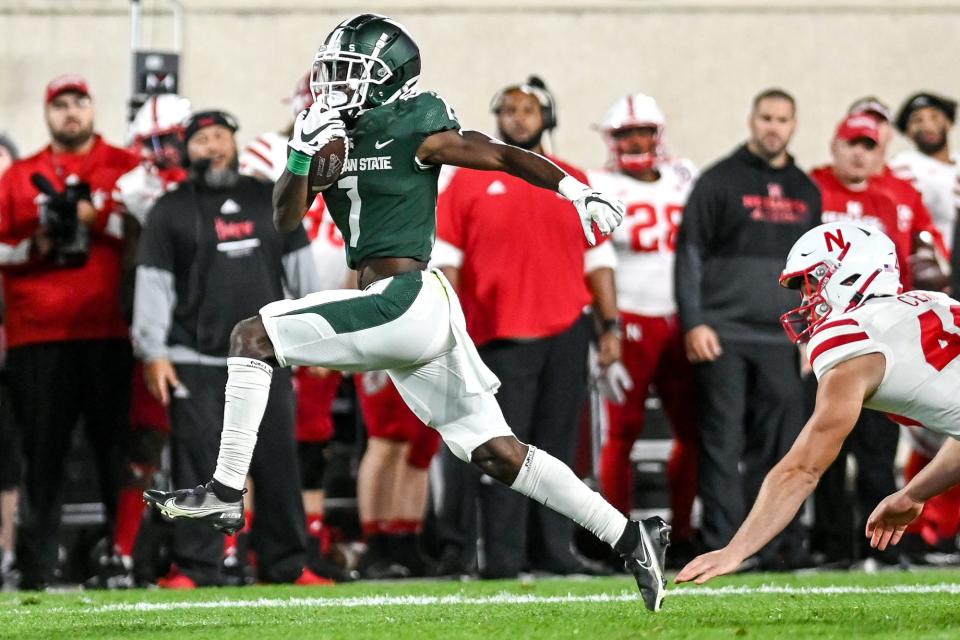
[800, 323]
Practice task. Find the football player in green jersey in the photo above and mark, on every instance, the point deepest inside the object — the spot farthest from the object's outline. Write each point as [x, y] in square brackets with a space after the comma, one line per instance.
[404, 318]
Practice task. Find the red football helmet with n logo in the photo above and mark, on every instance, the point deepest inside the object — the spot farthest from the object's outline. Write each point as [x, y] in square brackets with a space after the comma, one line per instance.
[837, 267]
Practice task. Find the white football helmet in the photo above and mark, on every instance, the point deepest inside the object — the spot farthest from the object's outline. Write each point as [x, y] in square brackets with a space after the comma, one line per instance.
[836, 267]
[156, 132]
[631, 112]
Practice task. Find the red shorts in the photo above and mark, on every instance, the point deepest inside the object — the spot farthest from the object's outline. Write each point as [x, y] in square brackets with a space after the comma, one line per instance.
[315, 396]
[387, 416]
[146, 412]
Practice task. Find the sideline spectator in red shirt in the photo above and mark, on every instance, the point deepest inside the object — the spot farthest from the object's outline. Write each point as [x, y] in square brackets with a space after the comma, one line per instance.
[928, 265]
[60, 247]
[523, 297]
[850, 194]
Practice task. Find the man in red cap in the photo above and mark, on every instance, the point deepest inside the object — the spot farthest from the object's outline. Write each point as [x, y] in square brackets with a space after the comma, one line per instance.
[926, 267]
[60, 254]
[850, 194]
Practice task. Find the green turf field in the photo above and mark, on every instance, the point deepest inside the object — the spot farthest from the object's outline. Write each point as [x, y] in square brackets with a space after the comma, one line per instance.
[911, 605]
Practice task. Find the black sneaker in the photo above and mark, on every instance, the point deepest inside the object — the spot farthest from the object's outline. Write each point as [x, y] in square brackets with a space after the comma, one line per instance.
[199, 503]
[647, 560]
[113, 572]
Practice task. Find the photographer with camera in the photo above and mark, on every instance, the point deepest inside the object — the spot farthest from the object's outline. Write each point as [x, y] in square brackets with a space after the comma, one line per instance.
[69, 351]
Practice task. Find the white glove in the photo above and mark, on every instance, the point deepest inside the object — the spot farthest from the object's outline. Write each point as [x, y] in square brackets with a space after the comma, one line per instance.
[614, 382]
[592, 206]
[138, 190]
[315, 127]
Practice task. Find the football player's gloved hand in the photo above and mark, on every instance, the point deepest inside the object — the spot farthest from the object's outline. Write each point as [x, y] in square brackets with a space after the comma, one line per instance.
[614, 382]
[138, 190]
[314, 128]
[593, 207]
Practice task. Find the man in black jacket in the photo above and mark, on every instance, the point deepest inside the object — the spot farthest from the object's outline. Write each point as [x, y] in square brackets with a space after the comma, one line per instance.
[743, 215]
[209, 257]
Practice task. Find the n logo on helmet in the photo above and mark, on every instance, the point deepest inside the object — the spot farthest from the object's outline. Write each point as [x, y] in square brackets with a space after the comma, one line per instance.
[835, 236]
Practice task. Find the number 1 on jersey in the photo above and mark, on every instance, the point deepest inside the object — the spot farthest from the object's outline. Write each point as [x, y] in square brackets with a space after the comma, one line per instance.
[350, 185]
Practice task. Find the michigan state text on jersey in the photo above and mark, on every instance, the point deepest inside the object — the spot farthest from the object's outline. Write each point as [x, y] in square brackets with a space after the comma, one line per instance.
[405, 320]
[385, 200]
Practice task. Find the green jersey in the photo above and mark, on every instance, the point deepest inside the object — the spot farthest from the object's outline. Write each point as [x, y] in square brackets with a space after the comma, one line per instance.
[385, 201]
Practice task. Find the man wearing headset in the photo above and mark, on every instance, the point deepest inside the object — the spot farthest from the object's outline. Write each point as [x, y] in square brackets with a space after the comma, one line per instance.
[536, 344]
[208, 257]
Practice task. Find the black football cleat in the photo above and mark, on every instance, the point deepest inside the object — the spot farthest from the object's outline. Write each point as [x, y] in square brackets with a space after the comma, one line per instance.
[200, 504]
[647, 560]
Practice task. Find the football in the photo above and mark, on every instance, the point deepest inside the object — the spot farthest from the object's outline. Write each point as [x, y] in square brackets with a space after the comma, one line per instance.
[327, 164]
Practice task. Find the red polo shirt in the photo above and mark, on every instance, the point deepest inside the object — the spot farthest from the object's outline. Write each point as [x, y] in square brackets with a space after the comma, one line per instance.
[45, 303]
[523, 254]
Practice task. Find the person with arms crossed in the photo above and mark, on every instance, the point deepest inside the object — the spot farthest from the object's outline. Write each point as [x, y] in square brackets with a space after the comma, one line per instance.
[850, 194]
[870, 346]
[403, 319]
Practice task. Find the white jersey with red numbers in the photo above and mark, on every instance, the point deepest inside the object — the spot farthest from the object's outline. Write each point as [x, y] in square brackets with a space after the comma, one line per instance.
[264, 157]
[646, 240]
[918, 333]
[938, 181]
[326, 245]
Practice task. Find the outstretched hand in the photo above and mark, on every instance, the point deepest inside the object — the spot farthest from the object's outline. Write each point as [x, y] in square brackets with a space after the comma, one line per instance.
[593, 207]
[889, 520]
[709, 565]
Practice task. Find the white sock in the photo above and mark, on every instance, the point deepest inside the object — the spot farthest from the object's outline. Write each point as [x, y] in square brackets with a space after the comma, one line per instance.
[248, 388]
[552, 484]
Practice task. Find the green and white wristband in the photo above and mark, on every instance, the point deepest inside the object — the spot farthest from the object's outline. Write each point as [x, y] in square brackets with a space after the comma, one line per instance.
[298, 163]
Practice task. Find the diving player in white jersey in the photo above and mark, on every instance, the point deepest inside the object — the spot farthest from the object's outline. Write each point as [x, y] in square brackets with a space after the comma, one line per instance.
[872, 346]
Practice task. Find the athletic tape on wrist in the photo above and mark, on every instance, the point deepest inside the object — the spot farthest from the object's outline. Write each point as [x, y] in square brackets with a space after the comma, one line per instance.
[298, 163]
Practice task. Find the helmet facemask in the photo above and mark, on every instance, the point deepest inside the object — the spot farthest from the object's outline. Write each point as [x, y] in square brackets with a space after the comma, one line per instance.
[636, 162]
[163, 149]
[800, 323]
[341, 80]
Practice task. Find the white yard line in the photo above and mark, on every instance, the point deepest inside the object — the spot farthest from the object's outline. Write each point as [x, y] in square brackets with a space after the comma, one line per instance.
[501, 598]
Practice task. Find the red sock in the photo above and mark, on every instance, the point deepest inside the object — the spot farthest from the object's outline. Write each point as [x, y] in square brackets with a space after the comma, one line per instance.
[400, 527]
[372, 527]
[314, 524]
[410, 526]
[130, 507]
[230, 544]
[316, 529]
[247, 521]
